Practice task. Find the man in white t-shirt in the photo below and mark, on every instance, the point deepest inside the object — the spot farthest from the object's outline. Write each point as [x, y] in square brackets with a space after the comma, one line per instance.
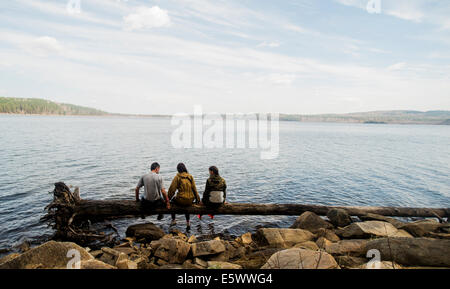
[155, 194]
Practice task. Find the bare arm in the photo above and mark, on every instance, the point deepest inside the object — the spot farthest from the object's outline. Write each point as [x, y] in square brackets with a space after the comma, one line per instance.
[166, 198]
[138, 187]
[137, 194]
[194, 188]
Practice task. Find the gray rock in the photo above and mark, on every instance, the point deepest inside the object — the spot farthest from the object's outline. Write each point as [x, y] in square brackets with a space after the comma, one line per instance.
[283, 238]
[207, 248]
[173, 251]
[328, 234]
[50, 255]
[422, 229]
[148, 232]
[311, 222]
[339, 217]
[374, 217]
[370, 229]
[297, 258]
[413, 251]
[95, 264]
[347, 247]
[350, 262]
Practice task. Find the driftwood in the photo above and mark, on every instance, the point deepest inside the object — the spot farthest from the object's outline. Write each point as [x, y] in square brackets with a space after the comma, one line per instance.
[68, 212]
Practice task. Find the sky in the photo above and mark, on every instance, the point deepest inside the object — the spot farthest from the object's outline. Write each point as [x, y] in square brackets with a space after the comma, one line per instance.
[164, 57]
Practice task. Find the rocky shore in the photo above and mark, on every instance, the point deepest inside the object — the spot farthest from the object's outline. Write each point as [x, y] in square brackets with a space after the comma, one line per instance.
[312, 242]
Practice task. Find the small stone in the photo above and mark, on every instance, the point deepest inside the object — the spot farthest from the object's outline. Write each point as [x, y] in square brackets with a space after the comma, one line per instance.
[246, 238]
[200, 262]
[207, 248]
[95, 264]
[322, 242]
[328, 234]
[161, 262]
[126, 264]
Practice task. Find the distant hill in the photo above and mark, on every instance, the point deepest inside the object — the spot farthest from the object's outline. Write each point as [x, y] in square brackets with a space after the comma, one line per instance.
[42, 106]
[377, 117]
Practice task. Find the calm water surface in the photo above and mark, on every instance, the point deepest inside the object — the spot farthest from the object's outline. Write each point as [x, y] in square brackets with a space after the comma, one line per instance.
[333, 164]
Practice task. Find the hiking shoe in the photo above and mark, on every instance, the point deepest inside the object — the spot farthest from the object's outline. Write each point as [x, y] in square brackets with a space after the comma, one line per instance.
[211, 216]
[173, 223]
[160, 217]
[199, 217]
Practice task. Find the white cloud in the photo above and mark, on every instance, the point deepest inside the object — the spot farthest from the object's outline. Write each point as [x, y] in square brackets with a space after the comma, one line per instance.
[397, 66]
[272, 44]
[42, 46]
[410, 10]
[145, 17]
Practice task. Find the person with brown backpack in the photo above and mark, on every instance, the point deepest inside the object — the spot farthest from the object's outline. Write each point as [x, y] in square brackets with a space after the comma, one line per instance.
[183, 185]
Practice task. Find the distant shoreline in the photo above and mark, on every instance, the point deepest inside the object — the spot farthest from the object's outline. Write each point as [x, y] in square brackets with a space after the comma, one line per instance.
[36, 106]
[283, 119]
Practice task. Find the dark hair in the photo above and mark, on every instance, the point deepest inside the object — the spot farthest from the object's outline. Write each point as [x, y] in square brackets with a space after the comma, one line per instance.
[181, 168]
[154, 166]
[214, 169]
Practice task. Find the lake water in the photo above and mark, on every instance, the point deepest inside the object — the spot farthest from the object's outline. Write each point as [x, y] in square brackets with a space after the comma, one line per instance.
[318, 163]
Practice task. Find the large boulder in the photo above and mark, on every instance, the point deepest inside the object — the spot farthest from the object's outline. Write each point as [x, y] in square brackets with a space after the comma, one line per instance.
[283, 238]
[423, 228]
[207, 248]
[371, 229]
[147, 232]
[311, 222]
[350, 262]
[297, 258]
[8, 258]
[413, 251]
[50, 255]
[173, 251]
[375, 217]
[95, 264]
[347, 247]
[339, 217]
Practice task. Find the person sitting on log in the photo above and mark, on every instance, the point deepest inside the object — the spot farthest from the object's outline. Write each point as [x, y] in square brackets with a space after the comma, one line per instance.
[183, 183]
[154, 192]
[215, 190]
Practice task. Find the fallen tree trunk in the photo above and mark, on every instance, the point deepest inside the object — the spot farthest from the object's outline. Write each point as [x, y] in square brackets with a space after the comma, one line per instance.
[68, 213]
[95, 209]
[117, 208]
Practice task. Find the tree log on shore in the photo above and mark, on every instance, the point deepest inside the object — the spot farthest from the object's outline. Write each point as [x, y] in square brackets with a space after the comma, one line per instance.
[121, 208]
[67, 213]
